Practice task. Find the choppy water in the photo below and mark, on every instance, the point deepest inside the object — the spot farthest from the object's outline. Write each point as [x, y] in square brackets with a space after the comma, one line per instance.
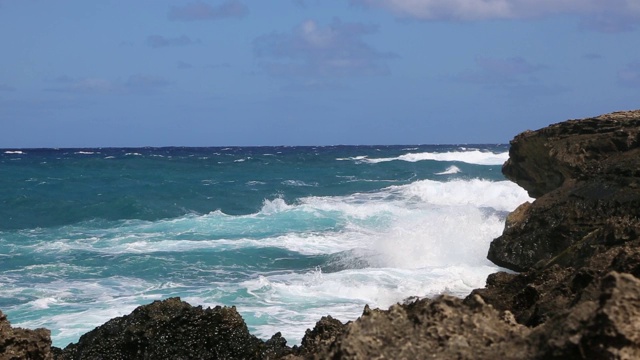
[287, 234]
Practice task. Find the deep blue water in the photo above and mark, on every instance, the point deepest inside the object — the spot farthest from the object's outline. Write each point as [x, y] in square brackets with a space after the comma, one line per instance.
[287, 234]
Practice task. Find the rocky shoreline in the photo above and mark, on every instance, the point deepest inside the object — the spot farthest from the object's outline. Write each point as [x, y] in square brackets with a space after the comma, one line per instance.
[576, 294]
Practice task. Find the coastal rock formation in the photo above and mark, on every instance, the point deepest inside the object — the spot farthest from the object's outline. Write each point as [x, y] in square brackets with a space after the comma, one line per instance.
[577, 296]
[577, 247]
[607, 327]
[18, 344]
[444, 328]
[544, 160]
[585, 175]
[173, 329]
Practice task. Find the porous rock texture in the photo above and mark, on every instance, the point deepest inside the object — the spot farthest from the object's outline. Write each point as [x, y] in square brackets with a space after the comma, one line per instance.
[18, 344]
[585, 176]
[173, 329]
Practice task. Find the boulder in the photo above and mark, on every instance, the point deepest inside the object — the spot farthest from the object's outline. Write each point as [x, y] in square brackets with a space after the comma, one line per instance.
[173, 329]
[19, 344]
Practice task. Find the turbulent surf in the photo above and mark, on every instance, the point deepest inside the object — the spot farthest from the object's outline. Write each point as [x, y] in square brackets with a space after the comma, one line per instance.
[286, 234]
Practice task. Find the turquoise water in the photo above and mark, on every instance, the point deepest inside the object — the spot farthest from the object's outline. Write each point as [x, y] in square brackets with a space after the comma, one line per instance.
[287, 234]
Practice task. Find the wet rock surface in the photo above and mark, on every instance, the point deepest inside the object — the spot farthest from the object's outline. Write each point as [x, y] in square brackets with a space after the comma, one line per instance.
[576, 296]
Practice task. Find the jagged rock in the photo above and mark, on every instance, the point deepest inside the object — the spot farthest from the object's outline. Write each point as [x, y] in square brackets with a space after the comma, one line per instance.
[540, 294]
[605, 327]
[442, 328]
[173, 329]
[544, 160]
[324, 333]
[608, 328]
[586, 177]
[19, 344]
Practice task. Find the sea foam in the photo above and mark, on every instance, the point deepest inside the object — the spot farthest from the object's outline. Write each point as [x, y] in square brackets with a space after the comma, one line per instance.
[476, 157]
[348, 240]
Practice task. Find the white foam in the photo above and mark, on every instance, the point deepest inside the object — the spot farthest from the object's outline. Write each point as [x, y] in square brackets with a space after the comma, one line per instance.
[450, 170]
[291, 303]
[471, 157]
[84, 152]
[76, 307]
[424, 238]
[355, 158]
[500, 195]
[299, 183]
[14, 152]
[422, 220]
[133, 154]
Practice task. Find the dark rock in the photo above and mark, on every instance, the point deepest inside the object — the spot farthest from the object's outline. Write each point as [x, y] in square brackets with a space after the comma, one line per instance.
[544, 160]
[585, 175]
[173, 329]
[540, 294]
[532, 297]
[18, 343]
[324, 333]
[442, 328]
[608, 328]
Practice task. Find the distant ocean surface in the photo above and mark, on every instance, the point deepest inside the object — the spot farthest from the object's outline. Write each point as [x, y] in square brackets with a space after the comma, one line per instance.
[286, 234]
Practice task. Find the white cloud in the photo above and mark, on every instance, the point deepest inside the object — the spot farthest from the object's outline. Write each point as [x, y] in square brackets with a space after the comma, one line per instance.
[315, 51]
[610, 15]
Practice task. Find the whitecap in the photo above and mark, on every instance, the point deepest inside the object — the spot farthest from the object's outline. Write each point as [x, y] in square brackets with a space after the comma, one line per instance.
[298, 183]
[450, 171]
[476, 157]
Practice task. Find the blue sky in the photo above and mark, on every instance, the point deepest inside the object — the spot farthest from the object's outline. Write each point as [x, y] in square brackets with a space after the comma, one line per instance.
[78, 73]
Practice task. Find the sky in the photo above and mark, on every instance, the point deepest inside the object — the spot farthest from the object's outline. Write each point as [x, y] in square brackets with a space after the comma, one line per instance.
[113, 73]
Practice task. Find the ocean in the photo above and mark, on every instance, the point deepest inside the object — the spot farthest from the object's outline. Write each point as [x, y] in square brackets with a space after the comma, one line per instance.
[286, 234]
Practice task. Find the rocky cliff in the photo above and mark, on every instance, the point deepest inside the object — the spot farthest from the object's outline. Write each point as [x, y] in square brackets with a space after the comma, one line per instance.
[576, 296]
[585, 176]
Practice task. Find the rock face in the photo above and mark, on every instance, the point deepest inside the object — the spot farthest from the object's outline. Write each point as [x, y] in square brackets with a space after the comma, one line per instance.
[607, 327]
[173, 329]
[544, 160]
[585, 175]
[444, 328]
[18, 344]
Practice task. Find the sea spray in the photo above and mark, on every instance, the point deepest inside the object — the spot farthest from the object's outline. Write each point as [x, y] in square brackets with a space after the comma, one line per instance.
[287, 235]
